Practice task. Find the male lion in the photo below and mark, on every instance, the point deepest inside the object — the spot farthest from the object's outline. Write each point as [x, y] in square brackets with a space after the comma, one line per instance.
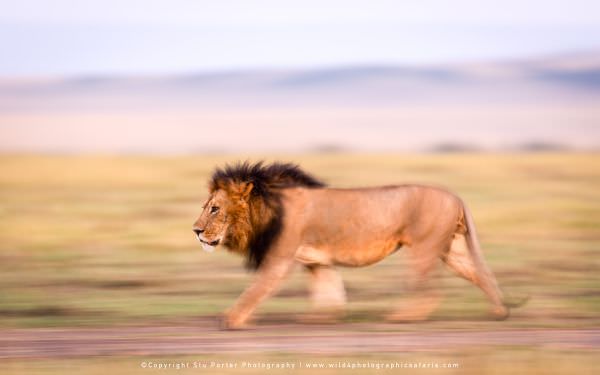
[277, 215]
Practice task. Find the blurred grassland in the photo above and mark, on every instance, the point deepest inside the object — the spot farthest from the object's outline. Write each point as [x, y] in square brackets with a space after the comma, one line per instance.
[107, 240]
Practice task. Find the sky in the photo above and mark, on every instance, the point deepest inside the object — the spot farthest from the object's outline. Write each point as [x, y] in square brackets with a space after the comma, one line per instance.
[81, 37]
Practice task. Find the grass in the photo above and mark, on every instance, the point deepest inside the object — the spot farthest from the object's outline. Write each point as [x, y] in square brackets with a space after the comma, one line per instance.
[105, 240]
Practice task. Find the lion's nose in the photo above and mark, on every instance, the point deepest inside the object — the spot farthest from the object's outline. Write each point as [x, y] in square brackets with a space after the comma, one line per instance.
[198, 231]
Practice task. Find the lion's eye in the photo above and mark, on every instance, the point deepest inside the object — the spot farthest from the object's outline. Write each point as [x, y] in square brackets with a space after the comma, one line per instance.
[214, 209]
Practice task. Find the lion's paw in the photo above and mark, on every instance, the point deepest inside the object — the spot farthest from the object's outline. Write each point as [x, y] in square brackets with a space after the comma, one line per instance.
[229, 323]
[500, 312]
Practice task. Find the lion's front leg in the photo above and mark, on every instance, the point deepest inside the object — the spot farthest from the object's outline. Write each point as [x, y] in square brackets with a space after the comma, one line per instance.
[327, 293]
[267, 280]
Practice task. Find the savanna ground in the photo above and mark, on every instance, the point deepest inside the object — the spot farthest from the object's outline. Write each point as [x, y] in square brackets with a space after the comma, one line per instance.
[100, 271]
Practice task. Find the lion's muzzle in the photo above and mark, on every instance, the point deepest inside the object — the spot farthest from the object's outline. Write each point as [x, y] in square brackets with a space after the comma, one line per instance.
[208, 246]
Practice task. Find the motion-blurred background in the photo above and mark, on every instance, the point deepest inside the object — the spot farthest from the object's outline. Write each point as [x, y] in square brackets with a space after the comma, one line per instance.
[229, 76]
[113, 114]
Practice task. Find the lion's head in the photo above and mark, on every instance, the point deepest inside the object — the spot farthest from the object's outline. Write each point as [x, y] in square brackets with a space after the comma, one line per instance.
[216, 218]
[243, 211]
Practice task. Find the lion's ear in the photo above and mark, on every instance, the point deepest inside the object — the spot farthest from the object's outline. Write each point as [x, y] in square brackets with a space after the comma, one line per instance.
[240, 190]
[246, 190]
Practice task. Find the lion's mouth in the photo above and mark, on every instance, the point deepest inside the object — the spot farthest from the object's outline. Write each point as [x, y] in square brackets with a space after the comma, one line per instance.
[209, 243]
[208, 246]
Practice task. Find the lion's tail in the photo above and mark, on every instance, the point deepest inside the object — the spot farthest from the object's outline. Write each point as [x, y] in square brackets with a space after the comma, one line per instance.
[488, 281]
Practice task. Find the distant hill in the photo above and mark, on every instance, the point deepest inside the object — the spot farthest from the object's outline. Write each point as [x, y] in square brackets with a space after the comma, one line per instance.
[544, 101]
[564, 78]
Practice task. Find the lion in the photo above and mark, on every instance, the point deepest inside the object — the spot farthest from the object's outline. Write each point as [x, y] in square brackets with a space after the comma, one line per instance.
[277, 215]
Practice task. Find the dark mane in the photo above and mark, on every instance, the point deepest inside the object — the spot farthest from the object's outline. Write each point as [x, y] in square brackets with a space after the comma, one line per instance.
[266, 210]
[265, 177]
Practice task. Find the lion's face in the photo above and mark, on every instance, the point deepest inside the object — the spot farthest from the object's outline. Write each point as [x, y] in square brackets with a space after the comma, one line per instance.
[212, 225]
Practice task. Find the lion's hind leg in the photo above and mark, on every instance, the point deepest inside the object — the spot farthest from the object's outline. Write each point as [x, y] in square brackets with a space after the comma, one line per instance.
[327, 294]
[460, 260]
[424, 297]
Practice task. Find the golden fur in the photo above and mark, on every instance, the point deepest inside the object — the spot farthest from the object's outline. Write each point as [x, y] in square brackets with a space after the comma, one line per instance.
[278, 216]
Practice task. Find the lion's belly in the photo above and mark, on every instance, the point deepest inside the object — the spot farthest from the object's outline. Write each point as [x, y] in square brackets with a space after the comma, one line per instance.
[357, 256]
[348, 255]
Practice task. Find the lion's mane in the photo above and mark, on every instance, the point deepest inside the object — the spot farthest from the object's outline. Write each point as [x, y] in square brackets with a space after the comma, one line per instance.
[257, 220]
